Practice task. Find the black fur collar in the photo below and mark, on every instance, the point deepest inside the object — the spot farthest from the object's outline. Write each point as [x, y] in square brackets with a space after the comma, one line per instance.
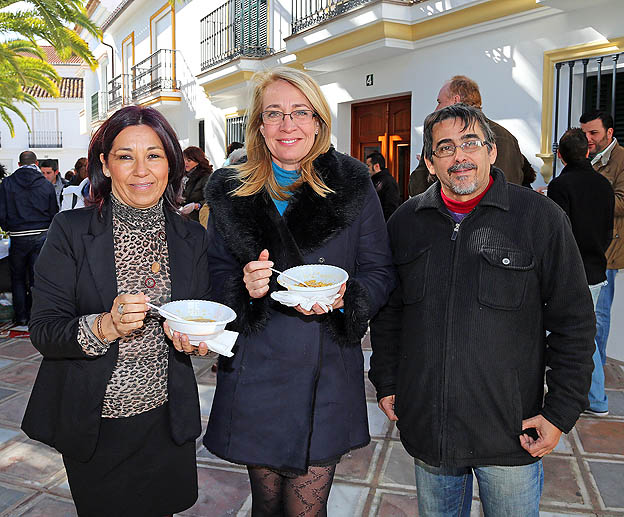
[248, 224]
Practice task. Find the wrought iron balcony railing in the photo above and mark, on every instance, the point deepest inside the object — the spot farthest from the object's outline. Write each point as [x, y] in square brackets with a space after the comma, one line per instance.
[45, 139]
[99, 106]
[119, 91]
[154, 74]
[307, 13]
[237, 28]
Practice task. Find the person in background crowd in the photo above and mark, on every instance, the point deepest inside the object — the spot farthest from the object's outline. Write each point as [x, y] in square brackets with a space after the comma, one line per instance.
[112, 395]
[587, 198]
[27, 206]
[80, 172]
[607, 157]
[69, 174]
[385, 185]
[198, 171]
[291, 401]
[51, 173]
[492, 291]
[3, 171]
[510, 159]
[230, 149]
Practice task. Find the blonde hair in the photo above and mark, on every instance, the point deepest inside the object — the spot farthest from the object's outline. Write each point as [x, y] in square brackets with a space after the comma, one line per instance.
[257, 173]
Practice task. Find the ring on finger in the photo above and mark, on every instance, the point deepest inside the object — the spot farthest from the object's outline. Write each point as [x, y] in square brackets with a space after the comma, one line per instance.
[120, 308]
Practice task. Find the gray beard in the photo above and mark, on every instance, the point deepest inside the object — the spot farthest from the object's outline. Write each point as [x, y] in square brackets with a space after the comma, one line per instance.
[463, 190]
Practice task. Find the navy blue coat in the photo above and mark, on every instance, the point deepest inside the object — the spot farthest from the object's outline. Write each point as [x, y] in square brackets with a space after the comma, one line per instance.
[293, 394]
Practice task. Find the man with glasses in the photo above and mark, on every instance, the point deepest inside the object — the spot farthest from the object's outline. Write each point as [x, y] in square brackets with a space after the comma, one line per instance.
[492, 291]
[509, 159]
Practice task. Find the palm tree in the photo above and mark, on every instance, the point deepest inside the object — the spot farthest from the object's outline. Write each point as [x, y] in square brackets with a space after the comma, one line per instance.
[22, 59]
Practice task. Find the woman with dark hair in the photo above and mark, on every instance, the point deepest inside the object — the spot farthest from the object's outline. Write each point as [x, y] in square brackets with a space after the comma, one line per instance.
[80, 172]
[198, 170]
[291, 401]
[112, 395]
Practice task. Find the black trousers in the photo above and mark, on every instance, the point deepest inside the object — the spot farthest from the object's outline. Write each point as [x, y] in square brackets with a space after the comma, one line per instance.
[23, 254]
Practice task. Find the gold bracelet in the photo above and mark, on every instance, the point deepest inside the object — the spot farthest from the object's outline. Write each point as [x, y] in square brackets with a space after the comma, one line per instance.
[98, 324]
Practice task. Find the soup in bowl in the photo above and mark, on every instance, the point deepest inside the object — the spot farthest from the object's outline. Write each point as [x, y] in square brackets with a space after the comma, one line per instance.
[315, 280]
[203, 318]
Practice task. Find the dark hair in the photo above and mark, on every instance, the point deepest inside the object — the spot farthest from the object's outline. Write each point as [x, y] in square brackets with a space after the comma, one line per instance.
[81, 166]
[49, 163]
[469, 116]
[573, 145]
[232, 147]
[27, 158]
[197, 155]
[377, 158]
[605, 118]
[102, 142]
[69, 175]
[3, 171]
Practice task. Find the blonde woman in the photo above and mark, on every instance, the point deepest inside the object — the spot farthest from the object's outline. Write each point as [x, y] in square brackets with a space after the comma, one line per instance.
[291, 401]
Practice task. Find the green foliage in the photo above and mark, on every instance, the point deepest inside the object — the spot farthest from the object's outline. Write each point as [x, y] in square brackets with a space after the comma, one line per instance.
[22, 60]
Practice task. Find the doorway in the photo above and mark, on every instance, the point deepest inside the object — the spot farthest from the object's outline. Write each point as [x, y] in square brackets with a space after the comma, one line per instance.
[384, 126]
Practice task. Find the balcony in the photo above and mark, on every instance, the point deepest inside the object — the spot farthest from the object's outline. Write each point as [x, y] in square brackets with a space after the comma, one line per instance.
[99, 106]
[308, 13]
[45, 139]
[155, 75]
[119, 92]
[236, 29]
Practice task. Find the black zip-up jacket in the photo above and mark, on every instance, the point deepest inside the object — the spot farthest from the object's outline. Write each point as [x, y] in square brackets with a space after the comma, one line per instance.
[27, 201]
[588, 199]
[462, 342]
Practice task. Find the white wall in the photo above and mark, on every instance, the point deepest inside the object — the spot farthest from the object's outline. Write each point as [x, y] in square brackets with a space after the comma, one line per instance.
[507, 63]
[615, 345]
[75, 145]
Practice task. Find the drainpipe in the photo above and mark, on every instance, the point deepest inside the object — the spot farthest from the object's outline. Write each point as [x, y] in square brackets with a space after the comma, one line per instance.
[112, 58]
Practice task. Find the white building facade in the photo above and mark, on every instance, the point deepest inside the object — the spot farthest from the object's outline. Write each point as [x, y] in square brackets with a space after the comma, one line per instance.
[54, 131]
[193, 60]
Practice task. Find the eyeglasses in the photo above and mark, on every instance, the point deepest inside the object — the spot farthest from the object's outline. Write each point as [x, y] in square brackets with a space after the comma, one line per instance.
[446, 150]
[299, 117]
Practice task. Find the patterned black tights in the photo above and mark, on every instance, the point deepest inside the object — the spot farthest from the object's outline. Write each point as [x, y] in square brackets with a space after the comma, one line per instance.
[278, 495]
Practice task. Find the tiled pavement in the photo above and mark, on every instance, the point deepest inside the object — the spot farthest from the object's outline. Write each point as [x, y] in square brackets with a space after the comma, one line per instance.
[584, 476]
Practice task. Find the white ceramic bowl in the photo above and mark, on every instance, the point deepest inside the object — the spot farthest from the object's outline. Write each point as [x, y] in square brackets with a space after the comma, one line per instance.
[332, 275]
[220, 315]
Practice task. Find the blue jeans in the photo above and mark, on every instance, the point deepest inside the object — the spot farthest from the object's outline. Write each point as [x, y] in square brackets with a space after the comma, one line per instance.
[597, 396]
[504, 491]
[603, 314]
[23, 254]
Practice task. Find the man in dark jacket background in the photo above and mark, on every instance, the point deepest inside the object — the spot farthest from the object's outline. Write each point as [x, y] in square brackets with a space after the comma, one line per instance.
[27, 206]
[492, 290]
[385, 185]
[509, 159]
[588, 199]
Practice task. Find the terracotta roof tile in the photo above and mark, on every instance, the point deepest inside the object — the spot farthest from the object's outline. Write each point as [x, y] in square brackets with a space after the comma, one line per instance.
[53, 58]
[70, 88]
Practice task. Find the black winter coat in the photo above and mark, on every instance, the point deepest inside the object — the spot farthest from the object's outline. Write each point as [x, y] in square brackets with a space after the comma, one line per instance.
[588, 199]
[388, 191]
[194, 189]
[293, 394]
[27, 201]
[462, 341]
[75, 275]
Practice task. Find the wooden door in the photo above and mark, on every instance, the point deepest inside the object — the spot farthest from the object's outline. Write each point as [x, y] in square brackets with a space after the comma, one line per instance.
[384, 126]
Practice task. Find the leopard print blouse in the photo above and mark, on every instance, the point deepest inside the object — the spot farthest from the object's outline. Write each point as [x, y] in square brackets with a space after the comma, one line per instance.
[139, 381]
